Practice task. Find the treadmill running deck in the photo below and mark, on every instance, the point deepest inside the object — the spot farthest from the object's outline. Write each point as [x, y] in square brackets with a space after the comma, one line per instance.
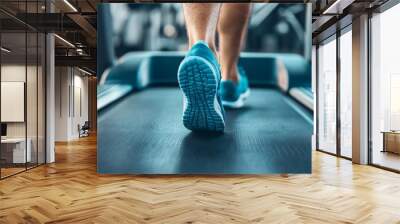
[143, 134]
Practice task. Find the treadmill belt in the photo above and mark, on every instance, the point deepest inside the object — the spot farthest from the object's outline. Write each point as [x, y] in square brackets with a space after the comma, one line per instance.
[143, 134]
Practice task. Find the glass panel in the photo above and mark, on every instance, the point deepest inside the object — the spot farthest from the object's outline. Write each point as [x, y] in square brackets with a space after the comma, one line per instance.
[386, 89]
[32, 89]
[327, 96]
[31, 100]
[13, 86]
[23, 89]
[346, 94]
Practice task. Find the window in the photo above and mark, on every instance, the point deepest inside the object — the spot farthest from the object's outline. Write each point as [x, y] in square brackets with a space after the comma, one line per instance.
[346, 93]
[385, 89]
[327, 96]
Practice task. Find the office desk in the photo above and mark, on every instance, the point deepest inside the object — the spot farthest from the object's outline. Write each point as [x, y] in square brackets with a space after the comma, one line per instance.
[391, 141]
[13, 150]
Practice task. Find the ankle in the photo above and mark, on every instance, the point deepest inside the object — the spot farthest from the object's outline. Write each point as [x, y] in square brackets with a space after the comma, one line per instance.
[210, 45]
[230, 74]
[214, 50]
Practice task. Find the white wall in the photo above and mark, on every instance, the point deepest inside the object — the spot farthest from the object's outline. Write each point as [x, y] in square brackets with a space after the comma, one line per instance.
[71, 93]
[9, 73]
[13, 100]
[62, 81]
[17, 72]
[14, 72]
[33, 126]
[80, 89]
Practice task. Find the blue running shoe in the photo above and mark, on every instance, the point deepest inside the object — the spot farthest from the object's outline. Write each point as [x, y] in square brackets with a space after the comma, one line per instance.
[199, 78]
[234, 94]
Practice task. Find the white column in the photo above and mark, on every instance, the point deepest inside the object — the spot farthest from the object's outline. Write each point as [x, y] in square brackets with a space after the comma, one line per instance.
[50, 98]
[360, 90]
[50, 92]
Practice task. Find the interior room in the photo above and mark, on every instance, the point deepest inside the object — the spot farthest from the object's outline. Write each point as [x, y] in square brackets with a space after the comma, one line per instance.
[22, 100]
[55, 89]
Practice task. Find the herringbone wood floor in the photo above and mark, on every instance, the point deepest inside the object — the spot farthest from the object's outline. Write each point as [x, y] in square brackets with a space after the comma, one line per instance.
[70, 191]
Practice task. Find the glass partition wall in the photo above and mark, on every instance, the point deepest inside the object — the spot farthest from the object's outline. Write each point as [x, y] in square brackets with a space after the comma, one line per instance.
[385, 89]
[327, 95]
[334, 105]
[13, 110]
[22, 78]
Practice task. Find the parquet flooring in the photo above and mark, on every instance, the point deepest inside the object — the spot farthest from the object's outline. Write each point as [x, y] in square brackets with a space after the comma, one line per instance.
[70, 191]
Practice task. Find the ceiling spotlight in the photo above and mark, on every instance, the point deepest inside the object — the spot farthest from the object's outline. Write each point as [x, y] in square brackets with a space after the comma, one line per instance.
[5, 50]
[79, 51]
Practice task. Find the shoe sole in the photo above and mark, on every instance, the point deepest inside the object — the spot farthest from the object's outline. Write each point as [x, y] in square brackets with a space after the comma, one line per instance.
[198, 81]
[239, 102]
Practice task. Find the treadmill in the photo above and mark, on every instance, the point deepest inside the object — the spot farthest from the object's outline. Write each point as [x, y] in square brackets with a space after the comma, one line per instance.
[140, 106]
